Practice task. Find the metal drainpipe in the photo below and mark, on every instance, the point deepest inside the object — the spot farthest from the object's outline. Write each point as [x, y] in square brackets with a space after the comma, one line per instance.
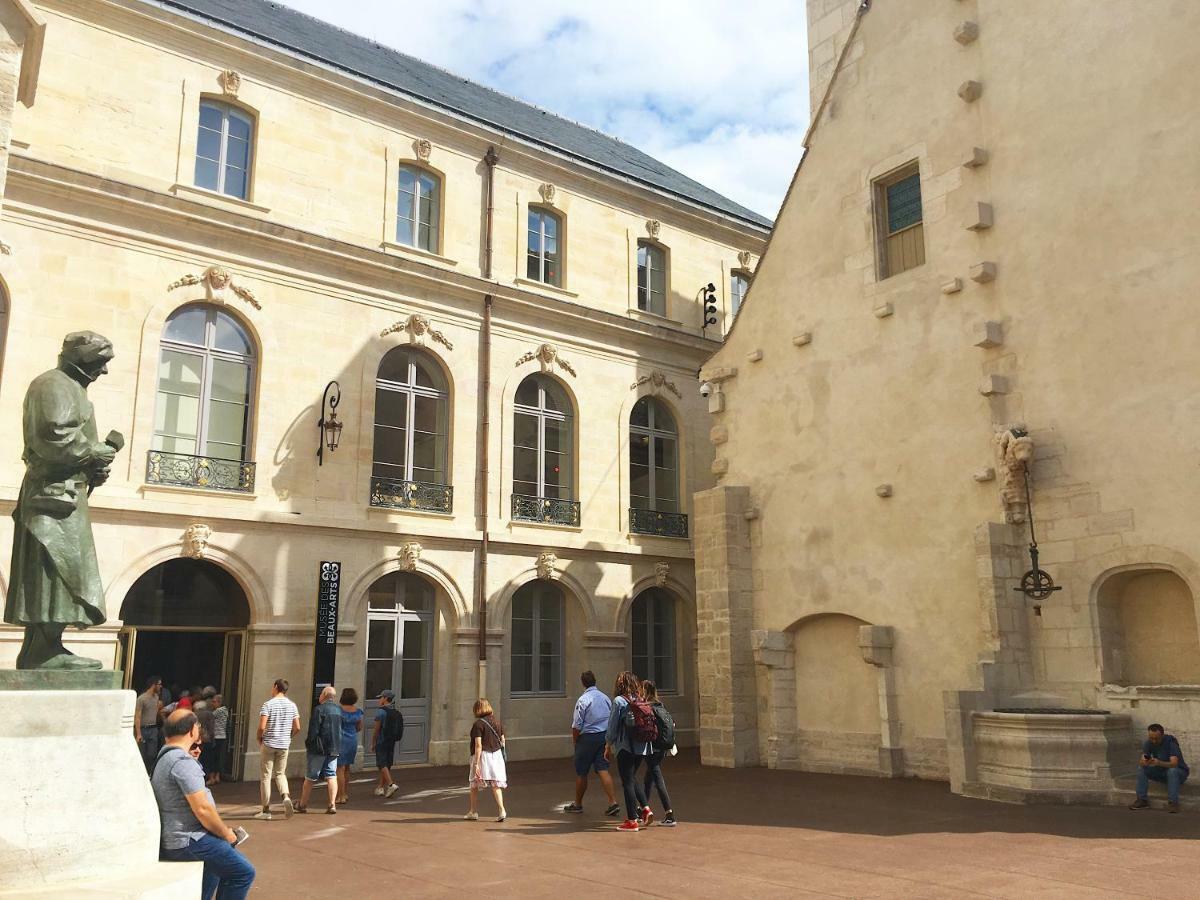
[485, 382]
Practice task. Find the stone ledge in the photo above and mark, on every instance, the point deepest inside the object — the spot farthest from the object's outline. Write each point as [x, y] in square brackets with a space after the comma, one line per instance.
[60, 680]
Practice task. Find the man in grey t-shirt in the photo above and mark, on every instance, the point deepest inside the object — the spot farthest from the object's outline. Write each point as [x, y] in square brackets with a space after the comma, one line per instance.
[145, 721]
[192, 830]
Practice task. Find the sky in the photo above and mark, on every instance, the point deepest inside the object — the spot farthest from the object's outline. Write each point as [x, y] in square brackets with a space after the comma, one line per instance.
[717, 89]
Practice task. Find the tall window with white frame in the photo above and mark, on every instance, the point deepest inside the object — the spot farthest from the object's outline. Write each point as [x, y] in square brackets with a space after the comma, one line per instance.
[899, 221]
[652, 278]
[224, 147]
[419, 209]
[537, 635]
[739, 283]
[652, 620]
[544, 252]
[543, 453]
[205, 393]
[654, 471]
[409, 463]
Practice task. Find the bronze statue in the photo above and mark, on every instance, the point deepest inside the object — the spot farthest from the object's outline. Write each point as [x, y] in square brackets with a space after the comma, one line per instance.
[55, 578]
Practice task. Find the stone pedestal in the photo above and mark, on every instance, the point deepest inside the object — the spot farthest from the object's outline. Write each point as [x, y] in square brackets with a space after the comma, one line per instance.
[1038, 757]
[79, 817]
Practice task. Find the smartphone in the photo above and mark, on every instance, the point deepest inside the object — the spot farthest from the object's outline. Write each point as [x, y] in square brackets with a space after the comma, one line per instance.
[242, 836]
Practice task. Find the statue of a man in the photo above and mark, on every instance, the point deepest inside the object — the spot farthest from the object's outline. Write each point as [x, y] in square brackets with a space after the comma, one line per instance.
[55, 577]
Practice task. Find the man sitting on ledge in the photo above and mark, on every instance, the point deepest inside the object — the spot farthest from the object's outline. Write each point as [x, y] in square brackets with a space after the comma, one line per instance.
[1162, 760]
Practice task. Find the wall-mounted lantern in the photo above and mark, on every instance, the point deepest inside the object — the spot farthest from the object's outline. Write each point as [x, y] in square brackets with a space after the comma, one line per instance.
[329, 428]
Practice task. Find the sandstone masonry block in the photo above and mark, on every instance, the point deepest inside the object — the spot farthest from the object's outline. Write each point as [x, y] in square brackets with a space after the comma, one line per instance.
[970, 91]
[983, 272]
[966, 33]
[988, 334]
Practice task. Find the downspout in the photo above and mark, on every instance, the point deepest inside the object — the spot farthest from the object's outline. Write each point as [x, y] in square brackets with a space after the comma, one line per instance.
[485, 383]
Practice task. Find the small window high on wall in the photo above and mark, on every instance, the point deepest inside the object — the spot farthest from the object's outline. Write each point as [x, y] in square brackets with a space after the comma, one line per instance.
[224, 146]
[739, 283]
[652, 279]
[544, 257]
[899, 221]
[418, 209]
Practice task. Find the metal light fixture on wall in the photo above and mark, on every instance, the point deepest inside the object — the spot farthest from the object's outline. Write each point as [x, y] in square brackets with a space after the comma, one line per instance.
[329, 428]
[709, 298]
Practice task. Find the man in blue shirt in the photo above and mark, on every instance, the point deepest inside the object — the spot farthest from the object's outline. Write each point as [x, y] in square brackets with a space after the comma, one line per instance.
[1162, 760]
[587, 731]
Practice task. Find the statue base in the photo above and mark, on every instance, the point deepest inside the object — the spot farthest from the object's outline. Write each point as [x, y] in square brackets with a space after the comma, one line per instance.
[79, 815]
[61, 680]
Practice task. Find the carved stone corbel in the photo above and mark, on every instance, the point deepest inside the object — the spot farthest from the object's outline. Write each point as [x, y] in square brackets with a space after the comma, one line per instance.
[657, 381]
[547, 566]
[417, 327]
[547, 355]
[195, 540]
[410, 553]
[217, 283]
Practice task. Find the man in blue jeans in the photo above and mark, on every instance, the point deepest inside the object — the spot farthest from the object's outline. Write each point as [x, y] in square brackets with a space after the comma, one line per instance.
[587, 731]
[1162, 760]
[192, 830]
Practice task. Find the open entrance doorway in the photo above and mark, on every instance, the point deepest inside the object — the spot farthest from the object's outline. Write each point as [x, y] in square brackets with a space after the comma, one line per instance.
[185, 621]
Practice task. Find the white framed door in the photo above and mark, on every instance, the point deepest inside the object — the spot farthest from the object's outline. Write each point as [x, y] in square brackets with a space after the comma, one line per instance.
[400, 658]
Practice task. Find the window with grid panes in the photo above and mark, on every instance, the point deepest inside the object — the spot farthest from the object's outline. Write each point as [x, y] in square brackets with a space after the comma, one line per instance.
[418, 209]
[900, 225]
[536, 632]
[543, 440]
[544, 257]
[652, 620]
[411, 418]
[739, 283]
[652, 279]
[653, 457]
[224, 144]
[205, 384]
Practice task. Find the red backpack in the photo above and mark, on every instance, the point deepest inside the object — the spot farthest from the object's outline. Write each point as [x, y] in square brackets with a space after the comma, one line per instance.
[641, 722]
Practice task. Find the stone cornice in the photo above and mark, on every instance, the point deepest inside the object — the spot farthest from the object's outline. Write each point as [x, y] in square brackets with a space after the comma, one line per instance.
[33, 185]
[360, 96]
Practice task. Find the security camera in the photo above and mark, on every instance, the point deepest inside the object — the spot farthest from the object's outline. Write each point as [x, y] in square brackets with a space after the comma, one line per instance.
[705, 389]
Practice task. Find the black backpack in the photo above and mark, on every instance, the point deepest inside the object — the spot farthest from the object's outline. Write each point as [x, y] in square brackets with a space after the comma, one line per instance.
[393, 726]
[666, 728]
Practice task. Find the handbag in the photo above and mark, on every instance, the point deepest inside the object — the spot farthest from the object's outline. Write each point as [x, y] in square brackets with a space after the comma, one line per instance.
[503, 749]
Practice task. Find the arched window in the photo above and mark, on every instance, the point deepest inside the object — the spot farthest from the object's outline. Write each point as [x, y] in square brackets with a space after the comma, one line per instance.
[224, 145]
[537, 634]
[653, 639]
[419, 209]
[654, 471]
[408, 469]
[543, 453]
[652, 278]
[205, 392]
[545, 257]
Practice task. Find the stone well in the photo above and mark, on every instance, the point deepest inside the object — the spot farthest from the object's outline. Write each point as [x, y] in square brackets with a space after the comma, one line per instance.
[1048, 756]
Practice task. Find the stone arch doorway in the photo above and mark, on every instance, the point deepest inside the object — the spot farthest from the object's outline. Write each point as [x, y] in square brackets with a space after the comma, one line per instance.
[184, 621]
[401, 620]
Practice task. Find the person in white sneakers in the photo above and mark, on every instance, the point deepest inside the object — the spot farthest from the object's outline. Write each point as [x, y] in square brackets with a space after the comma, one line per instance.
[278, 722]
[389, 729]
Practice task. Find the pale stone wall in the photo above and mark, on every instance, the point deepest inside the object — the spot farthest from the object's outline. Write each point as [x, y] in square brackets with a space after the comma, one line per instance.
[857, 414]
[104, 219]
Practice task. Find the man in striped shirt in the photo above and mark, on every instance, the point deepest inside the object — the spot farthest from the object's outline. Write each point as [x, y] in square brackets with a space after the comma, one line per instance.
[278, 721]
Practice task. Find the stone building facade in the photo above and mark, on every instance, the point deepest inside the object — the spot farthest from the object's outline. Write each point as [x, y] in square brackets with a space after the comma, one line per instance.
[252, 205]
[980, 271]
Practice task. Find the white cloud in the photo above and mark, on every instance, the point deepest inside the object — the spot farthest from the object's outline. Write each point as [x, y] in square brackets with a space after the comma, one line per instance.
[715, 89]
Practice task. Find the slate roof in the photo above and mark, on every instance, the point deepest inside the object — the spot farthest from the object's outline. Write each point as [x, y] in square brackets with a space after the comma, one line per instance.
[305, 36]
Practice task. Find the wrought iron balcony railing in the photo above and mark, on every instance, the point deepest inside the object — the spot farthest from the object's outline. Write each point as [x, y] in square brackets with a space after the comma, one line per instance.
[545, 509]
[395, 493]
[199, 471]
[664, 524]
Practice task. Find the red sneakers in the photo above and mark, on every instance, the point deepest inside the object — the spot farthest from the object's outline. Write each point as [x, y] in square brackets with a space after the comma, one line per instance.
[647, 816]
[628, 825]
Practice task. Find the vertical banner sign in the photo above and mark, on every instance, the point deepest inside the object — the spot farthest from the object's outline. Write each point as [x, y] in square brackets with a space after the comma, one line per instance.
[325, 643]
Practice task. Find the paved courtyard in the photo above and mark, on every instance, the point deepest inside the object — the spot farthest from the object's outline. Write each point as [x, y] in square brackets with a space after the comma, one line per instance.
[745, 833]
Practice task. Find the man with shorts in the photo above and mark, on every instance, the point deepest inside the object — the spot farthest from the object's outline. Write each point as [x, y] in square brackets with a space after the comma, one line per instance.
[389, 728]
[322, 743]
[587, 731]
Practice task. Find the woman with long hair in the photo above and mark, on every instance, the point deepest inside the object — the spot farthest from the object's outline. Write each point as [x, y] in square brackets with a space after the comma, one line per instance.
[488, 764]
[352, 726]
[654, 775]
[623, 743]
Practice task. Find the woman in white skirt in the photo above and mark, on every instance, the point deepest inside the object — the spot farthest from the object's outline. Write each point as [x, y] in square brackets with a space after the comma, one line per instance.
[487, 759]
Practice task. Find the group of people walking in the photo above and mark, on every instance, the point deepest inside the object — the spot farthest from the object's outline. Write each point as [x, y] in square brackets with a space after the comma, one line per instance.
[631, 730]
[156, 703]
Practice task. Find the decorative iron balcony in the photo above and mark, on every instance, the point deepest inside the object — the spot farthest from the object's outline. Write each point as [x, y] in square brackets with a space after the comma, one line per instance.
[545, 509]
[199, 471]
[663, 524]
[395, 493]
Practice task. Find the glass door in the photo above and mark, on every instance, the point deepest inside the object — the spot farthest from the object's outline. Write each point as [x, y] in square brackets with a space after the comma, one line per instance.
[126, 640]
[399, 650]
[232, 664]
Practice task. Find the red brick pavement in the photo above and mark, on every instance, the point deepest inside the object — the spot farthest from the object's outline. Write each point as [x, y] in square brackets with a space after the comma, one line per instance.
[744, 833]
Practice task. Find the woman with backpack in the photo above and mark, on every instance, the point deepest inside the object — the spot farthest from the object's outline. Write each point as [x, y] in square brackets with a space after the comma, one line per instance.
[488, 759]
[629, 741]
[660, 748]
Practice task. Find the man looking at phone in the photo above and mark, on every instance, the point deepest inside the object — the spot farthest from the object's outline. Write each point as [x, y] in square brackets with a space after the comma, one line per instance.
[1162, 760]
[192, 829]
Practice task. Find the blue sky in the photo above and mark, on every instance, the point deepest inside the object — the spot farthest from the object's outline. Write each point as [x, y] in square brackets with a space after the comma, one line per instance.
[716, 89]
